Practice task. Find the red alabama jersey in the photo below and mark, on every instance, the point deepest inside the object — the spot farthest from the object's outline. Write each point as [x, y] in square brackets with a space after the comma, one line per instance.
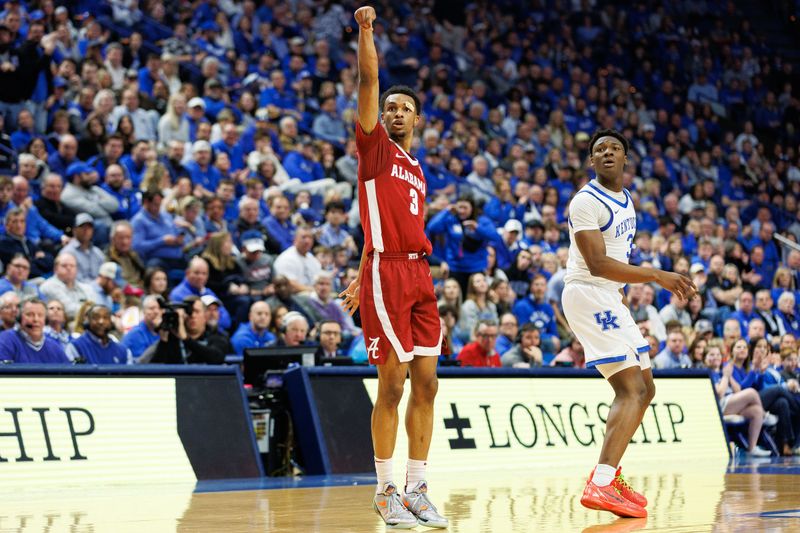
[391, 195]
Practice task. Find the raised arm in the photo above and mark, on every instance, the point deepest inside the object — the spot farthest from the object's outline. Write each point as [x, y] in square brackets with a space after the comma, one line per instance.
[367, 70]
[593, 250]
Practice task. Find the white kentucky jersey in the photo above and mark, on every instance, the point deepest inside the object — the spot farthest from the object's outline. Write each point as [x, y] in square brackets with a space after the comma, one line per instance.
[595, 207]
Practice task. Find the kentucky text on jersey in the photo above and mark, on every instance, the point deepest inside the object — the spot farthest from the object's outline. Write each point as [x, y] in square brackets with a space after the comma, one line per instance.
[626, 225]
[405, 175]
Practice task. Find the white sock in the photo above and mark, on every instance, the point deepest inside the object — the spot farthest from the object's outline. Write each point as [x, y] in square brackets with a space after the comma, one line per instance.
[415, 472]
[384, 469]
[604, 475]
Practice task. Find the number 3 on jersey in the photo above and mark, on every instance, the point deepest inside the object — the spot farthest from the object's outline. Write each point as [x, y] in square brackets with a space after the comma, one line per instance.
[414, 207]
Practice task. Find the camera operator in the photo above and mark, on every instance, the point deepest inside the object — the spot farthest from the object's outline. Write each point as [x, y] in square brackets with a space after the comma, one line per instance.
[184, 338]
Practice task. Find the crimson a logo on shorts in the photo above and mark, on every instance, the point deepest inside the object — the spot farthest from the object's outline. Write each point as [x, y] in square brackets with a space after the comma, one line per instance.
[372, 350]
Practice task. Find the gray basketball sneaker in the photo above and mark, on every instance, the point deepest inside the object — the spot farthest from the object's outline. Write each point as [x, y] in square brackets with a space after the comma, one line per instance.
[416, 500]
[389, 505]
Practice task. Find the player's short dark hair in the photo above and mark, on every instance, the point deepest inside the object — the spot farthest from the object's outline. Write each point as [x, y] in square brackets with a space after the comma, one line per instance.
[609, 133]
[402, 89]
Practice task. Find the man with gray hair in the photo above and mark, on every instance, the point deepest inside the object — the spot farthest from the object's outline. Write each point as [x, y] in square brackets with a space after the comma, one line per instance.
[28, 167]
[145, 333]
[49, 203]
[786, 314]
[322, 305]
[295, 330]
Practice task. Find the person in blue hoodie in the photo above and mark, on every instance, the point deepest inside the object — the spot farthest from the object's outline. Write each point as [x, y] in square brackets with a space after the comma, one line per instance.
[254, 333]
[537, 310]
[96, 346]
[466, 233]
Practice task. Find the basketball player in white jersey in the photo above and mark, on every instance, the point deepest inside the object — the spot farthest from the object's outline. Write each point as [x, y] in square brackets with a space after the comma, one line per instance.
[602, 227]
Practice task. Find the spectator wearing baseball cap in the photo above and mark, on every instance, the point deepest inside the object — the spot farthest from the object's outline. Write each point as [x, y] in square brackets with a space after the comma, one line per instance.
[510, 243]
[109, 279]
[256, 265]
[204, 175]
[195, 114]
[83, 195]
[213, 92]
[88, 256]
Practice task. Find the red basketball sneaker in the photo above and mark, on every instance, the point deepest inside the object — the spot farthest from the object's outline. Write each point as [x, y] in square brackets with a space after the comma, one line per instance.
[627, 491]
[609, 498]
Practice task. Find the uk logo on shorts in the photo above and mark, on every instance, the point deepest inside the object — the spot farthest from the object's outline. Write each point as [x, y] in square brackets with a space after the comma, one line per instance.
[372, 350]
[606, 320]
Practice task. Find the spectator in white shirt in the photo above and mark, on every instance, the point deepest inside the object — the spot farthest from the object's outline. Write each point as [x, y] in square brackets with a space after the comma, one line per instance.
[297, 263]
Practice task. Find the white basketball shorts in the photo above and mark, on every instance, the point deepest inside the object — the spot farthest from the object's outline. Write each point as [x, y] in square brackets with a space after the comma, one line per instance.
[604, 326]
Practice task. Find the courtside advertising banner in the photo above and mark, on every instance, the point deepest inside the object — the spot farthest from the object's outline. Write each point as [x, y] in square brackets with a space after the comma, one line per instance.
[505, 419]
[124, 428]
[99, 429]
[541, 422]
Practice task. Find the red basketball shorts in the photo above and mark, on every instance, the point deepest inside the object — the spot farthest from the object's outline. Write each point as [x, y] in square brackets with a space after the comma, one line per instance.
[398, 308]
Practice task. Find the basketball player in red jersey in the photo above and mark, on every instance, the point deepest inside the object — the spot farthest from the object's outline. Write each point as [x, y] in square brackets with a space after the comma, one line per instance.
[394, 286]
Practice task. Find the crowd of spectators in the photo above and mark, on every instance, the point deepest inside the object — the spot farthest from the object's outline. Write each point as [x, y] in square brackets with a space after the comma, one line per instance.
[202, 153]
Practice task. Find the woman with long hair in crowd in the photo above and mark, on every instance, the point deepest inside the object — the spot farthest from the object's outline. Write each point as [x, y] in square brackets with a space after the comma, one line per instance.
[501, 295]
[492, 271]
[126, 128]
[776, 395]
[155, 282]
[782, 281]
[156, 177]
[38, 148]
[477, 305]
[697, 350]
[93, 138]
[448, 315]
[734, 399]
[173, 126]
[451, 294]
[225, 276]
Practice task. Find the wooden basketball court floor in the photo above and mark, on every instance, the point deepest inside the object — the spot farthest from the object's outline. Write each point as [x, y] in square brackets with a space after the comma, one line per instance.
[686, 497]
